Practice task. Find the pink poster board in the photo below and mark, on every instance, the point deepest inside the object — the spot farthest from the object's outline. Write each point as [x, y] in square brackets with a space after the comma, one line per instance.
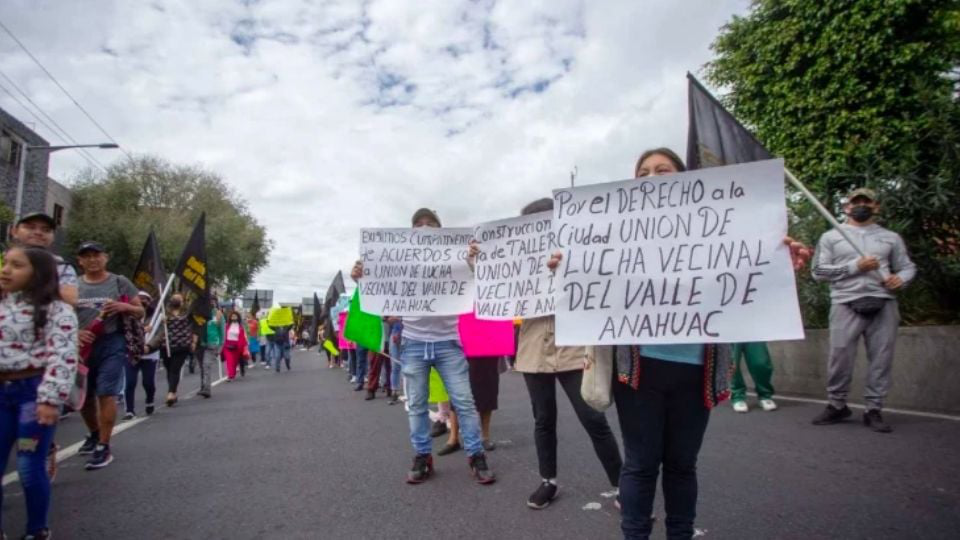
[486, 338]
[344, 345]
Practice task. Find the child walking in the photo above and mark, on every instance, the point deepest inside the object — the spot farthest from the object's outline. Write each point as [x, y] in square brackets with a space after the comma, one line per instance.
[38, 364]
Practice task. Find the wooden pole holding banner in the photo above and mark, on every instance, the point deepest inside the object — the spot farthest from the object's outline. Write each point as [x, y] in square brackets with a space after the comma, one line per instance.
[828, 216]
[163, 296]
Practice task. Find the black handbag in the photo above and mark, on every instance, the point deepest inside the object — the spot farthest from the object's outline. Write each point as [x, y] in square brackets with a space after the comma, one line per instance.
[868, 306]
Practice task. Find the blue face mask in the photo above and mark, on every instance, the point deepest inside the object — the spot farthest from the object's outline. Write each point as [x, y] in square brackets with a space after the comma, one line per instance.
[861, 213]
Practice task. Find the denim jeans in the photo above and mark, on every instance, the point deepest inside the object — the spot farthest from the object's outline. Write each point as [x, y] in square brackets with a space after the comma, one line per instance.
[360, 368]
[282, 354]
[447, 357]
[396, 377]
[18, 424]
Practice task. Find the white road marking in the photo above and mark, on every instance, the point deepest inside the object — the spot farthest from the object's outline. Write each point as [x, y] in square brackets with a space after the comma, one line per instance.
[858, 406]
[70, 451]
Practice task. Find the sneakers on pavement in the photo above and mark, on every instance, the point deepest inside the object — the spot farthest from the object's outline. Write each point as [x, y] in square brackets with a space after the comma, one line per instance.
[740, 407]
[149, 409]
[543, 496]
[481, 472]
[89, 444]
[874, 420]
[439, 428]
[394, 400]
[489, 445]
[832, 415]
[422, 469]
[129, 415]
[101, 458]
[371, 394]
[768, 404]
[42, 534]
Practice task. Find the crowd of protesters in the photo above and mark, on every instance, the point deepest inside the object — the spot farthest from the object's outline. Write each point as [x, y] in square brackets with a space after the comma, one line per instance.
[68, 339]
[663, 394]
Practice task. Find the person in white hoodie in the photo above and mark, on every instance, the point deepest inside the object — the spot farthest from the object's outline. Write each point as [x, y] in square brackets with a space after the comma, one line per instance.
[863, 303]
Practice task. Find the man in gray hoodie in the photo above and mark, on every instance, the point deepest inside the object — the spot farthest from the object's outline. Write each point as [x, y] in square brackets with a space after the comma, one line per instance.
[863, 303]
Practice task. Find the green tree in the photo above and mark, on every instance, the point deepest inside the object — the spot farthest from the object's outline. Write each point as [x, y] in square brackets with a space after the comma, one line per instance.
[860, 92]
[119, 207]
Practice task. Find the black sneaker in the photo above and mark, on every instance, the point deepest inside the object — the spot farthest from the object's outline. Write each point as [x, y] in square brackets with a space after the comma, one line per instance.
[101, 458]
[449, 449]
[481, 473]
[832, 415]
[149, 409]
[371, 394]
[874, 420]
[42, 534]
[394, 399]
[130, 415]
[543, 496]
[89, 444]
[422, 469]
[438, 429]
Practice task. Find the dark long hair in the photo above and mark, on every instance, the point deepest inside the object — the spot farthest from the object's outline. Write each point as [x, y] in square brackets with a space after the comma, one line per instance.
[44, 286]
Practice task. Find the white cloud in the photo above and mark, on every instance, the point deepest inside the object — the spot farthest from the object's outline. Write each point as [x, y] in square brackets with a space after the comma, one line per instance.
[336, 115]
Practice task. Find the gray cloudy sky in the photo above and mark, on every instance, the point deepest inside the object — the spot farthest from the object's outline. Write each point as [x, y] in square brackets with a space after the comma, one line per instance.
[328, 116]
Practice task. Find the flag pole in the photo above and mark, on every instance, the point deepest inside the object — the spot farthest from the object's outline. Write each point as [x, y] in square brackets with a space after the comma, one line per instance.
[827, 215]
[163, 296]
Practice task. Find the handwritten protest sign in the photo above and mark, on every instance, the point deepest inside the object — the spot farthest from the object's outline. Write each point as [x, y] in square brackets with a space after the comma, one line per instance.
[416, 272]
[512, 278]
[696, 257]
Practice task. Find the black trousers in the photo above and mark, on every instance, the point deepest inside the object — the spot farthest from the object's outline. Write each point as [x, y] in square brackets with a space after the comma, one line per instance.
[543, 397]
[174, 364]
[663, 423]
[149, 370]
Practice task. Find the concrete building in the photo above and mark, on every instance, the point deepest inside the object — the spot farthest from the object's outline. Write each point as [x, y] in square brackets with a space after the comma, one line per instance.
[59, 200]
[15, 136]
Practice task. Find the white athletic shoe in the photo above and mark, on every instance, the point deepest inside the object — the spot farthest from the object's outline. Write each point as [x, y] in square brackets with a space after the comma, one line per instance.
[740, 407]
[768, 404]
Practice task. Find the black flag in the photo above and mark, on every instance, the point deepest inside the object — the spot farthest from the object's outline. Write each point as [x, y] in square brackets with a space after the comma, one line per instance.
[192, 272]
[715, 137]
[337, 288]
[317, 314]
[149, 274]
[255, 306]
[333, 293]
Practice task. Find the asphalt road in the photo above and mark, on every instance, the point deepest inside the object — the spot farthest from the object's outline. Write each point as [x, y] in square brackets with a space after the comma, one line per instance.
[300, 455]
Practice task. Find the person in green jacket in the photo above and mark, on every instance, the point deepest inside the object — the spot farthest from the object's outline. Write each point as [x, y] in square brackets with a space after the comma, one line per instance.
[211, 341]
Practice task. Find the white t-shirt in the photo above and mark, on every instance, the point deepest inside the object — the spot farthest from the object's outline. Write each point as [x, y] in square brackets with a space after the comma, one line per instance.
[431, 329]
[233, 332]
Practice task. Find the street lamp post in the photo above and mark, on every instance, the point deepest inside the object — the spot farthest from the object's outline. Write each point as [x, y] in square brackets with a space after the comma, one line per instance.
[22, 173]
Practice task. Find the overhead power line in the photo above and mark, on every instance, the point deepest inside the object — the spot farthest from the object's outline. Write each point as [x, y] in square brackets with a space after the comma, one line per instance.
[60, 131]
[90, 159]
[64, 90]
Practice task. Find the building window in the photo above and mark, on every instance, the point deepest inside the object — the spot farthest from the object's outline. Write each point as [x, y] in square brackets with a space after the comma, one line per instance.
[10, 149]
[58, 215]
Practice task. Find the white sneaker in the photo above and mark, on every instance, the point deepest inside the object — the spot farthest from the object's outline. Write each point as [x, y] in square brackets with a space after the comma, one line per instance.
[768, 404]
[740, 407]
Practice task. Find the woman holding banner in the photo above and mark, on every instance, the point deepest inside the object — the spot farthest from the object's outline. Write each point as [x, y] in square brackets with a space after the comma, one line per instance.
[544, 365]
[664, 394]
